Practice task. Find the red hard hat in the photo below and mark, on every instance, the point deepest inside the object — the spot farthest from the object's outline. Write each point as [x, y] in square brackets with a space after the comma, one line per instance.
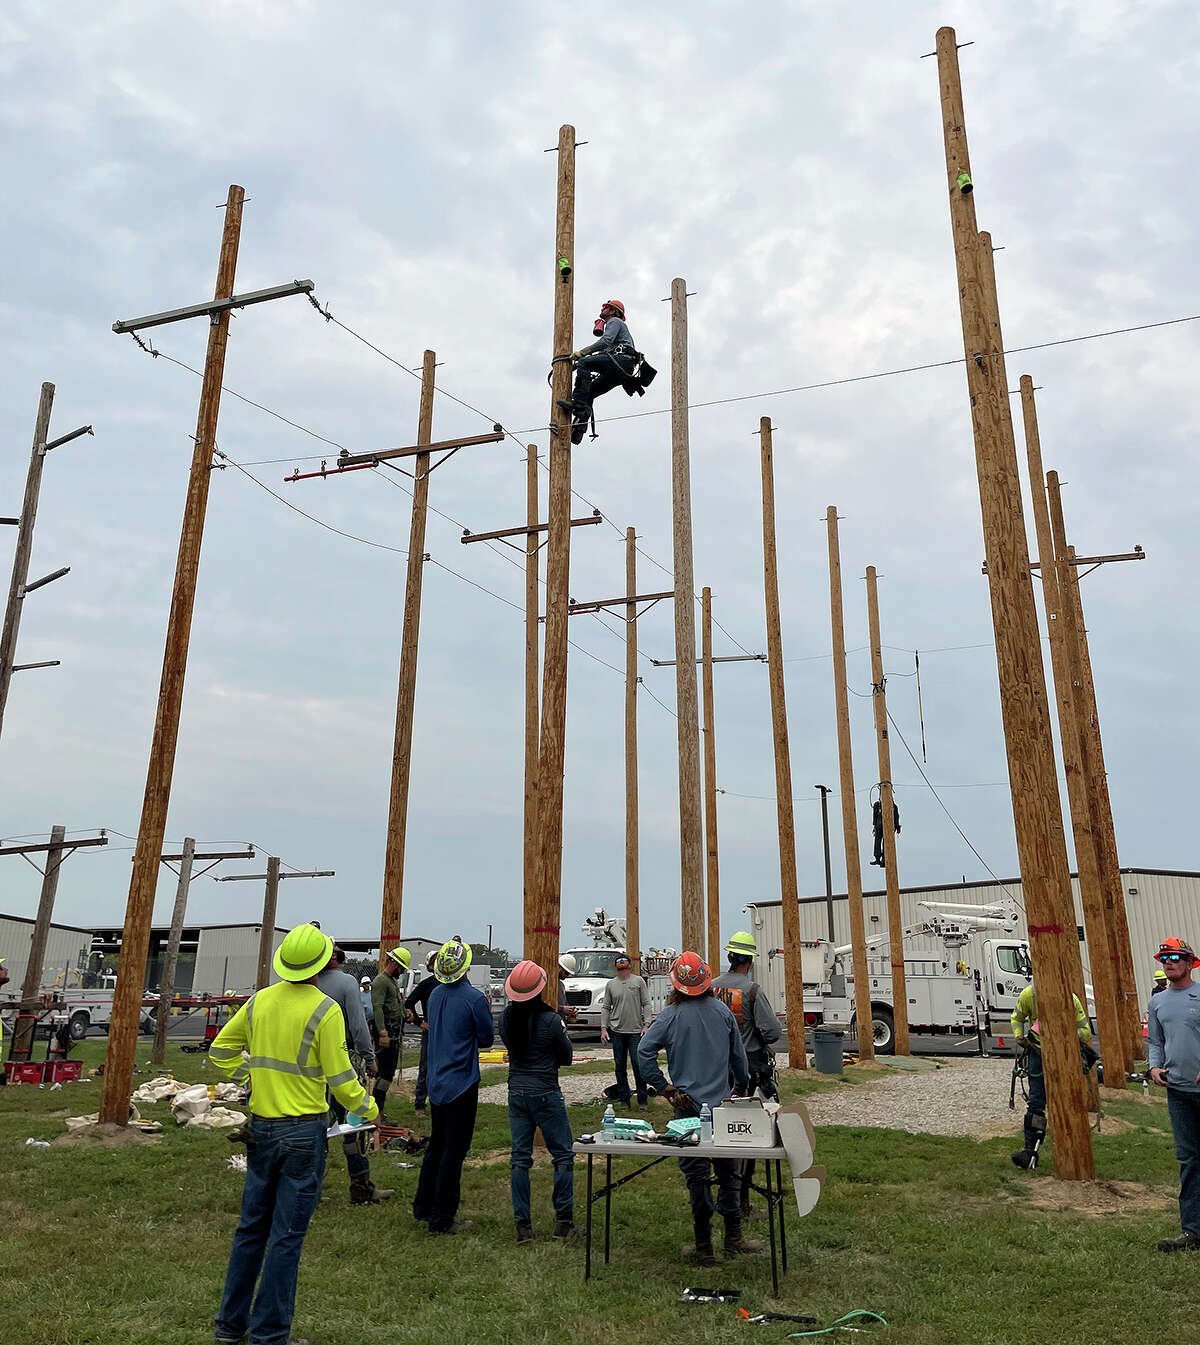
[617, 304]
[1174, 945]
[690, 974]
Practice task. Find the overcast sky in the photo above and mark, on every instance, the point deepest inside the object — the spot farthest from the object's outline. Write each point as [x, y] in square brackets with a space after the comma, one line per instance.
[787, 161]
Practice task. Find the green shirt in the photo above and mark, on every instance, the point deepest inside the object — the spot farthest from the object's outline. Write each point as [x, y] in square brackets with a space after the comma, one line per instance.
[387, 1004]
[1024, 1016]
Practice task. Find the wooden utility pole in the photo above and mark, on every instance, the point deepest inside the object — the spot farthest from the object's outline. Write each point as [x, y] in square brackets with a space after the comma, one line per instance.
[532, 606]
[633, 926]
[1064, 658]
[166, 989]
[542, 926]
[27, 1016]
[1096, 781]
[266, 938]
[691, 828]
[854, 897]
[887, 804]
[793, 971]
[406, 694]
[1037, 814]
[713, 885]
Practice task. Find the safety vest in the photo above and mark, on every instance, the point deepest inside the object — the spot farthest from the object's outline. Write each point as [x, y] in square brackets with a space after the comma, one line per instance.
[295, 1038]
[739, 1003]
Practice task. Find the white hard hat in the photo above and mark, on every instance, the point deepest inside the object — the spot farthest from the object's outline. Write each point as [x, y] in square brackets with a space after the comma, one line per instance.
[567, 962]
[366, 980]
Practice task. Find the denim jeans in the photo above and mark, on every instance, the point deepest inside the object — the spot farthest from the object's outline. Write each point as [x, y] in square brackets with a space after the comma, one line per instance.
[422, 1093]
[624, 1049]
[1184, 1110]
[285, 1166]
[439, 1186]
[698, 1173]
[546, 1112]
[1036, 1106]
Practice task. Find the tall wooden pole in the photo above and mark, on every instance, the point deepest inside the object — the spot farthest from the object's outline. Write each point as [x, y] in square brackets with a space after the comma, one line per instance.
[793, 971]
[1096, 779]
[24, 548]
[266, 939]
[854, 897]
[886, 806]
[406, 693]
[22, 1046]
[1064, 659]
[1037, 814]
[166, 984]
[633, 922]
[139, 910]
[691, 827]
[543, 935]
[713, 885]
[531, 688]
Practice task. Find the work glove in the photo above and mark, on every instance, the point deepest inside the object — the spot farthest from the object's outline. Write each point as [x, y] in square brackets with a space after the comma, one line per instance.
[384, 1040]
[577, 354]
[669, 1092]
[1020, 1047]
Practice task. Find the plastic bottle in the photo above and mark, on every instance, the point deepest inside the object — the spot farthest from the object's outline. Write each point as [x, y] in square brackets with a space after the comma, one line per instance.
[1145, 1085]
[609, 1124]
[706, 1124]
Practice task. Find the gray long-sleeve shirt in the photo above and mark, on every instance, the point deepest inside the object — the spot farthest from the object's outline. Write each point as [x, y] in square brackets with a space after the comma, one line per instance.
[704, 1050]
[343, 989]
[1173, 1035]
[625, 1005]
[615, 334]
[759, 1026]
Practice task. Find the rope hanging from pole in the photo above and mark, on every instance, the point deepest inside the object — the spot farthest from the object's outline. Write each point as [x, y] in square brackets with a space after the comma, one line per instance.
[920, 706]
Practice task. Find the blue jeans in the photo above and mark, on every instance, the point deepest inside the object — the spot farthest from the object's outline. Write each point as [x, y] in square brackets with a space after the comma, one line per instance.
[1184, 1110]
[546, 1112]
[1036, 1106]
[624, 1049]
[285, 1166]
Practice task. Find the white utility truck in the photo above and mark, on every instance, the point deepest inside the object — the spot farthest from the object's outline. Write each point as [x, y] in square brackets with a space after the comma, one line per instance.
[594, 968]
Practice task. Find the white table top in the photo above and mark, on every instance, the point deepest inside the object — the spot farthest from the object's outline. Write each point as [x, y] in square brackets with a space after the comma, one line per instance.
[641, 1149]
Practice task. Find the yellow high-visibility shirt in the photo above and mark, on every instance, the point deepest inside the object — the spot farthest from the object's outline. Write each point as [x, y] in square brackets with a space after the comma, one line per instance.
[295, 1037]
[1024, 1016]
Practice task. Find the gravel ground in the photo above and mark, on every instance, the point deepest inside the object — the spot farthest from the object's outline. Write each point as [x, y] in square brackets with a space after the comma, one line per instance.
[963, 1097]
[578, 1089]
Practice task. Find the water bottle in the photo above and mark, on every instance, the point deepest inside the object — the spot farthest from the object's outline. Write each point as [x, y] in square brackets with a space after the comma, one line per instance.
[1145, 1085]
[609, 1124]
[706, 1124]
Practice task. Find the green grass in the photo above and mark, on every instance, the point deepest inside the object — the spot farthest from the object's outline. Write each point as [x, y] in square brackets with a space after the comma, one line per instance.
[128, 1246]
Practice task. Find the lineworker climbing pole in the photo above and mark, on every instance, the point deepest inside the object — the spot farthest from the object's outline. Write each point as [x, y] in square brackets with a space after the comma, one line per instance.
[877, 826]
[611, 361]
[1027, 1051]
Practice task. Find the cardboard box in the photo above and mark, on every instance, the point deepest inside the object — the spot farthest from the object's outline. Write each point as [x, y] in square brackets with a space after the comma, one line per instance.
[744, 1122]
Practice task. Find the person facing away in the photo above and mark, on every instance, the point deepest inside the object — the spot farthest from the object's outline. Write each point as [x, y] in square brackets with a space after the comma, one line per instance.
[1027, 1044]
[877, 829]
[1173, 1048]
[460, 1026]
[537, 1042]
[624, 1014]
[707, 1062]
[605, 364]
[387, 1019]
[295, 1037]
[341, 987]
[415, 1007]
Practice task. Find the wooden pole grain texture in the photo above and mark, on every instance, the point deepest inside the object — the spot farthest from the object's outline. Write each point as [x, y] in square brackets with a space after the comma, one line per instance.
[391, 914]
[713, 875]
[633, 919]
[266, 938]
[22, 1046]
[532, 605]
[543, 945]
[691, 827]
[24, 547]
[1112, 884]
[125, 1021]
[793, 971]
[166, 984]
[887, 802]
[1064, 661]
[1025, 710]
[841, 698]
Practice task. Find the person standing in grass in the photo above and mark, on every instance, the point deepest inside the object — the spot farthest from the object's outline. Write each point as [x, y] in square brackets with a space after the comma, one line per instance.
[460, 1026]
[538, 1047]
[624, 1014]
[416, 1005]
[295, 1037]
[1173, 1047]
[387, 1019]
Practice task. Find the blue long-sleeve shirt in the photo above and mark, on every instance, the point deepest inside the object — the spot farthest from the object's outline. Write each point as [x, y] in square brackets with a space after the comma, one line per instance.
[1173, 1035]
[615, 334]
[460, 1025]
[704, 1050]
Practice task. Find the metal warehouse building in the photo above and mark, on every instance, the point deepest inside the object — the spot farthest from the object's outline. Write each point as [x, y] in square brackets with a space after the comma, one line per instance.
[1159, 902]
[66, 950]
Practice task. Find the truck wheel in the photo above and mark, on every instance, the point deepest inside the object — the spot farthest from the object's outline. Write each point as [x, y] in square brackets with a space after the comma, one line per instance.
[79, 1024]
[883, 1030]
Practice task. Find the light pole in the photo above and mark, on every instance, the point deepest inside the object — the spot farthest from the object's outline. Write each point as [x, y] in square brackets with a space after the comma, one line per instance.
[828, 874]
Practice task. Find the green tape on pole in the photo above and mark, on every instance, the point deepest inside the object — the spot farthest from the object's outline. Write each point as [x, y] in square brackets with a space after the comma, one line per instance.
[965, 185]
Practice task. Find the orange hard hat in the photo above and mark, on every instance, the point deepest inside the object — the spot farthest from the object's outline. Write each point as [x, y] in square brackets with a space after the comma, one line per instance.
[1180, 947]
[690, 974]
[617, 304]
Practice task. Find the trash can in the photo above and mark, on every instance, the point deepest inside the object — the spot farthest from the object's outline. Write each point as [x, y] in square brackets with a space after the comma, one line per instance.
[827, 1050]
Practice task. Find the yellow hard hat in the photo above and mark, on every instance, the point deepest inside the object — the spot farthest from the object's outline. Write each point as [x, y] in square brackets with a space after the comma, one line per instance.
[303, 953]
[400, 956]
[742, 943]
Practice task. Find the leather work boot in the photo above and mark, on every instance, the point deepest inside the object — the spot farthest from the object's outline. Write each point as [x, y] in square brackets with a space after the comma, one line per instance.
[735, 1242]
[363, 1191]
[1022, 1158]
[524, 1232]
[565, 1228]
[1185, 1242]
[701, 1252]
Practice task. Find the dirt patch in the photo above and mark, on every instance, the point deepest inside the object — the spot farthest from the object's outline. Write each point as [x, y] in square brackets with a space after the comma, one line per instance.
[105, 1136]
[541, 1157]
[1095, 1199]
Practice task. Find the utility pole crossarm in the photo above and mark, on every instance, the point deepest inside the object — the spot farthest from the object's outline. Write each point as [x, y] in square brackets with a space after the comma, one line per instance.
[215, 854]
[57, 845]
[575, 608]
[453, 445]
[1092, 561]
[259, 877]
[723, 658]
[212, 307]
[529, 530]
